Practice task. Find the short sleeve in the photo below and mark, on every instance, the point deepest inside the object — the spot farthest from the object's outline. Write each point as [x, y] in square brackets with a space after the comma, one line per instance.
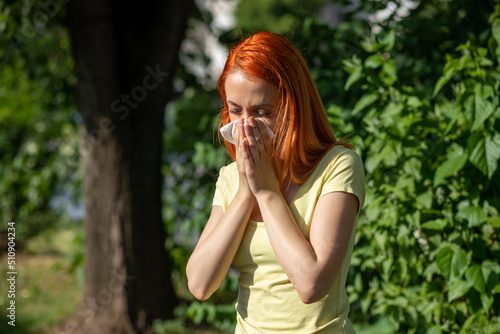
[219, 188]
[225, 187]
[345, 172]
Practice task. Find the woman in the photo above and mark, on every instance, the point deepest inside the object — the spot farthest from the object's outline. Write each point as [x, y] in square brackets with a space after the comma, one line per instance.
[284, 213]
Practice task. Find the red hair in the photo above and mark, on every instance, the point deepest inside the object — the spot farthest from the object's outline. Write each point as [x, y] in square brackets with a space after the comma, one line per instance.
[303, 133]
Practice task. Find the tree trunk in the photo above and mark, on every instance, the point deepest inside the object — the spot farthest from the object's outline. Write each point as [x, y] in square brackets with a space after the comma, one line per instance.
[125, 53]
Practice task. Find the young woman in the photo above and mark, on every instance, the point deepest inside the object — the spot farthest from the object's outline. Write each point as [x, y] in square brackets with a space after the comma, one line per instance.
[285, 211]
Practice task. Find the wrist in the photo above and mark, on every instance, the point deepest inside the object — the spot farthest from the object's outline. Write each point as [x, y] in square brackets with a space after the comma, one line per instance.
[267, 196]
[245, 194]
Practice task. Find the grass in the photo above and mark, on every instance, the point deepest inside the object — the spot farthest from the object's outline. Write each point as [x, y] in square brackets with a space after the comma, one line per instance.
[46, 292]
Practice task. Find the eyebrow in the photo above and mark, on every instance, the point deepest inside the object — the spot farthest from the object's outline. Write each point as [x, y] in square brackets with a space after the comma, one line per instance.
[263, 105]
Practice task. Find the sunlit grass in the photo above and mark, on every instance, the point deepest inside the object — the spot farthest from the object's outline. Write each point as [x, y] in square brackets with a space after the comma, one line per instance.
[46, 292]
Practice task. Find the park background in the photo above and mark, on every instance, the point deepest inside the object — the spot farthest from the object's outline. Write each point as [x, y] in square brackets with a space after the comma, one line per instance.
[109, 153]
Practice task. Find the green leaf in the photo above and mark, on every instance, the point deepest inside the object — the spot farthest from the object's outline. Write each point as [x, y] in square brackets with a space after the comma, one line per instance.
[370, 46]
[492, 153]
[483, 109]
[496, 289]
[434, 330]
[437, 224]
[381, 240]
[493, 221]
[392, 109]
[458, 288]
[486, 153]
[455, 161]
[414, 102]
[444, 260]
[364, 102]
[389, 40]
[473, 214]
[424, 200]
[467, 324]
[463, 46]
[449, 72]
[353, 77]
[451, 263]
[495, 29]
[474, 276]
[388, 74]
[486, 300]
[374, 61]
[491, 274]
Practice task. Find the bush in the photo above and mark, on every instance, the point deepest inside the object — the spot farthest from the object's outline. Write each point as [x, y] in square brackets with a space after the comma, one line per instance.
[427, 248]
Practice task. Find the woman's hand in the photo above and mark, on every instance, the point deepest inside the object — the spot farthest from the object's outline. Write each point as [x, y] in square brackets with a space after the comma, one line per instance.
[241, 147]
[255, 152]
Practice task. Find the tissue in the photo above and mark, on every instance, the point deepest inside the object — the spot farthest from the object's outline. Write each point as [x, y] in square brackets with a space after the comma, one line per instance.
[227, 131]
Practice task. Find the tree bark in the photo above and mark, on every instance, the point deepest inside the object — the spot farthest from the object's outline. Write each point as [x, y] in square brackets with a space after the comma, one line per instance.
[125, 53]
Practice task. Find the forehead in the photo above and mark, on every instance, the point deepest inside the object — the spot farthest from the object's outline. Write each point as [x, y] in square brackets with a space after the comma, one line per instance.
[241, 88]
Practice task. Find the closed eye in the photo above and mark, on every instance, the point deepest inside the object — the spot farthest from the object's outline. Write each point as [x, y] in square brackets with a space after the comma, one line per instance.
[263, 112]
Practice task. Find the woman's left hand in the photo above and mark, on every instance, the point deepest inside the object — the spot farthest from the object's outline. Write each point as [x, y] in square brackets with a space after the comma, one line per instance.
[258, 160]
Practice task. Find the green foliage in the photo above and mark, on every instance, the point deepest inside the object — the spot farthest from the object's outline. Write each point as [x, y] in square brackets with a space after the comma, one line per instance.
[192, 160]
[221, 317]
[427, 249]
[421, 100]
[280, 16]
[38, 137]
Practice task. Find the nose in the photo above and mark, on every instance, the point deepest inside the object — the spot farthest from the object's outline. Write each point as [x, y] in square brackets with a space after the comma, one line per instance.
[245, 114]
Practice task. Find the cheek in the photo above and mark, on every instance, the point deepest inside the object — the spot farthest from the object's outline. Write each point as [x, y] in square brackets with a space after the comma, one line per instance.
[233, 117]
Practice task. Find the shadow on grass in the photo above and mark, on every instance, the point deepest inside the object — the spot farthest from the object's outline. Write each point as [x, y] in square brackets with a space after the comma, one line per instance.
[46, 293]
[23, 325]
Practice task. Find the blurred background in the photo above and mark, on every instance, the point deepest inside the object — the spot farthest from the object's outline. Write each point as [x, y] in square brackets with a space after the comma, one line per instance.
[109, 155]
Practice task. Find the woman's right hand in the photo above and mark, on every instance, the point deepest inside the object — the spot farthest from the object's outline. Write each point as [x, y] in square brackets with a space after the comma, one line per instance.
[241, 146]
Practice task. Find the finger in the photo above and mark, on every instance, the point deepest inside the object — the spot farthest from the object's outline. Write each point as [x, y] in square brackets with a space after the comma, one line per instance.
[261, 135]
[246, 154]
[238, 132]
[252, 134]
[265, 136]
[240, 141]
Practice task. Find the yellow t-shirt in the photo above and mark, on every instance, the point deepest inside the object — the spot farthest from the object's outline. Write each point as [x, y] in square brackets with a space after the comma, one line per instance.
[267, 300]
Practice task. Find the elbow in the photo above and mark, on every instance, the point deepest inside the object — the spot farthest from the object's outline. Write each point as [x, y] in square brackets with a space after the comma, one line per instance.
[311, 298]
[197, 285]
[198, 290]
[199, 294]
[312, 293]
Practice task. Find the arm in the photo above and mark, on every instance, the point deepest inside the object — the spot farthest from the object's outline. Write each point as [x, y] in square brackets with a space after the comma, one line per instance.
[311, 265]
[212, 256]
[220, 240]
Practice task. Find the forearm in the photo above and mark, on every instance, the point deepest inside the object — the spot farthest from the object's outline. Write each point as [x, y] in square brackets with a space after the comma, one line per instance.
[212, 257]
[292, 249]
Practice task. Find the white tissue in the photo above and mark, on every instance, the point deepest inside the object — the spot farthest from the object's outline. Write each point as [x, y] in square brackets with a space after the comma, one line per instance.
[227, 131]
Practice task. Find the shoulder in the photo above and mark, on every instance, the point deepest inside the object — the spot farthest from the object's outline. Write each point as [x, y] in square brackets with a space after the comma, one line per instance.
[341, 157]
[342, 169]
[227, 176]
[226, 185]
[229, 171]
